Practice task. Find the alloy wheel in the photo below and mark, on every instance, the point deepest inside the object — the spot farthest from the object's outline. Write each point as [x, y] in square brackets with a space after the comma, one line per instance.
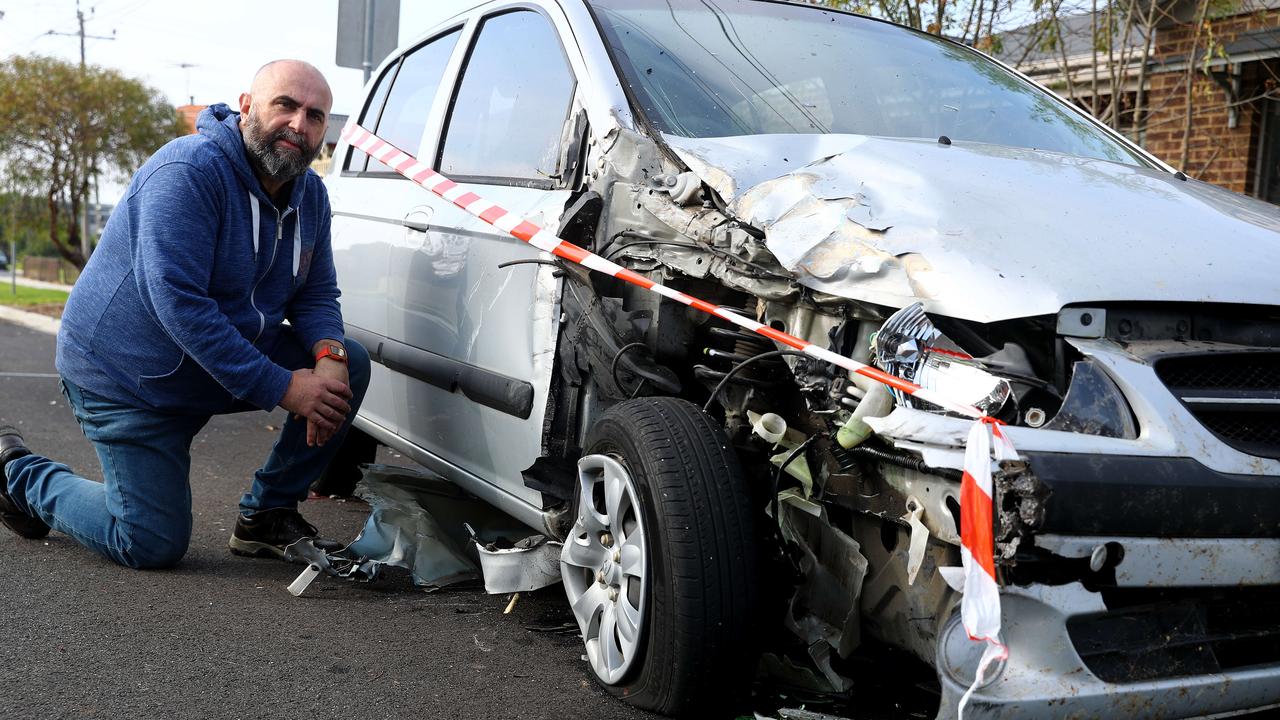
[604, 566]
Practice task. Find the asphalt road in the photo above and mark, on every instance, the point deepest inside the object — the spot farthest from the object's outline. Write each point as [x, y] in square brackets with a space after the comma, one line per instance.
[219, 636]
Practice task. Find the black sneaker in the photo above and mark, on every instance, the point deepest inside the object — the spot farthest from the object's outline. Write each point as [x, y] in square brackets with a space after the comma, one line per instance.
[268, 532]
[11, 448]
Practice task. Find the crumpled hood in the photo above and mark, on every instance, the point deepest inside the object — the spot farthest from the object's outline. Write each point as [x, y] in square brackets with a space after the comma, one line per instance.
[986, 232]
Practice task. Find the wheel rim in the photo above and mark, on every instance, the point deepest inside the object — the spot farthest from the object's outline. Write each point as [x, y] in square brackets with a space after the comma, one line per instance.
[604, 566]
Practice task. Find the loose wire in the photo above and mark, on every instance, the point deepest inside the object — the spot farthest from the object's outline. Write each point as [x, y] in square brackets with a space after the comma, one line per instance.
[738, 368]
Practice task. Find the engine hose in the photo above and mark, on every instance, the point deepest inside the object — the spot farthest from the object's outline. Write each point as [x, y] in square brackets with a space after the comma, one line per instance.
[905, 460]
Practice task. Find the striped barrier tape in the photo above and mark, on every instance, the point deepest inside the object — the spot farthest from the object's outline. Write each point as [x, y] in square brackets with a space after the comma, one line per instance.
[977, 544]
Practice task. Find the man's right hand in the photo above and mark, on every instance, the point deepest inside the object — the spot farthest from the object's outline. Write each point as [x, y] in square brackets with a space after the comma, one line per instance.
[319, 400]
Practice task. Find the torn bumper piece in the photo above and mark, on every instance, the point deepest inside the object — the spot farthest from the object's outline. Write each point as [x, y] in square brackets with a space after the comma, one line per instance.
[532, 563]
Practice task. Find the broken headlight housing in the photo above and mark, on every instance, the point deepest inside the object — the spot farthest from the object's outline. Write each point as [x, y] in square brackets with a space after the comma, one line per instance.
[909, 346]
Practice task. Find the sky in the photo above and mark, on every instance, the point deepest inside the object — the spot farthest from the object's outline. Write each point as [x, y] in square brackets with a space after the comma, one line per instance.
[205, 51]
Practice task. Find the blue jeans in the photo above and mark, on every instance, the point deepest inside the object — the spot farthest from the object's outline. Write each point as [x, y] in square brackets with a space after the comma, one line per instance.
[141, 515]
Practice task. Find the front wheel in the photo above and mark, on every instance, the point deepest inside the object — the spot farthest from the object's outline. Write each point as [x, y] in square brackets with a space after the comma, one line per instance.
[660, 567]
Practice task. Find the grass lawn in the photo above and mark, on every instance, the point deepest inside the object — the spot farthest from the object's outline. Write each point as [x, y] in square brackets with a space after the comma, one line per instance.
[48, 302]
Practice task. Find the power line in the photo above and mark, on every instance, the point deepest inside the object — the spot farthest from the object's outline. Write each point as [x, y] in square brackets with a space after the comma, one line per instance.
[80, 18]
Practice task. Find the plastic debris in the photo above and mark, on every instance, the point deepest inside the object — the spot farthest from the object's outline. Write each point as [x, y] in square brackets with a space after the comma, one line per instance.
[919, 538]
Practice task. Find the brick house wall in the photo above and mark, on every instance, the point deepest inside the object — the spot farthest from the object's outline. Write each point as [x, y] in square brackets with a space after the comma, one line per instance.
[1217, 153]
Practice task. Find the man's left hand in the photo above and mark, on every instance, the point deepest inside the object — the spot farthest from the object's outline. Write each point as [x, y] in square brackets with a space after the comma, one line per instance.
[333, 370]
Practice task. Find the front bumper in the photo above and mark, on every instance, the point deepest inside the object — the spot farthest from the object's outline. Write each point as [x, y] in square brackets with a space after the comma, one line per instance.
[1045, 676]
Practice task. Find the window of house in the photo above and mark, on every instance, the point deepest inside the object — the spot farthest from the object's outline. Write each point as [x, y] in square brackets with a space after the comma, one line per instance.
[401, 119]
[509, 112]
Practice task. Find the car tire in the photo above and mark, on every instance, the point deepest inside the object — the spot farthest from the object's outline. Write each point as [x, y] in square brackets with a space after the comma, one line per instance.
[693, 653]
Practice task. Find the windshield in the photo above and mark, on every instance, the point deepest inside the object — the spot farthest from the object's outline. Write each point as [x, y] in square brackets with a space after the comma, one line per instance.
[718, 68]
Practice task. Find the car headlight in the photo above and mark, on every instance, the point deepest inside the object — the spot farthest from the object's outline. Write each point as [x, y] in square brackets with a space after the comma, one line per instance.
[1094, 406]
[909, 346]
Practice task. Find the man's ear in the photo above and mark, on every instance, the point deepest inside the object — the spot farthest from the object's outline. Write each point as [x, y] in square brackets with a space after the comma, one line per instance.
[245, 100]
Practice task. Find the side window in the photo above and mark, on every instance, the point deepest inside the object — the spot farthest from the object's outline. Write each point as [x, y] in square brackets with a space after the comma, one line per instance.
[413, 89]
[356, 159]
[512, 102]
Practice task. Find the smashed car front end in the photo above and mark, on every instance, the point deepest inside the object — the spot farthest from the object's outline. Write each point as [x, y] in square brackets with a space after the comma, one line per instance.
[1141, 574]
[1083, 301]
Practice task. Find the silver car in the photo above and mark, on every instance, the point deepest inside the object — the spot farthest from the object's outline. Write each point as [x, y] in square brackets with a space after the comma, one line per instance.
[888, 195]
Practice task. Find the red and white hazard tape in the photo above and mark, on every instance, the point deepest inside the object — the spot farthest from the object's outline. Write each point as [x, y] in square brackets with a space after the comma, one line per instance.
[512, 224]
[981, 601]
[980, 604]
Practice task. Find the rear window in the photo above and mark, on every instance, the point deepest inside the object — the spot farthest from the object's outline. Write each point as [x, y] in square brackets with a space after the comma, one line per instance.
[402, 117]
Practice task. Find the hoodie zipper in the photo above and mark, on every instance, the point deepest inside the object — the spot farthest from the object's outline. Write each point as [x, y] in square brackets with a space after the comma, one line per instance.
[262, 319]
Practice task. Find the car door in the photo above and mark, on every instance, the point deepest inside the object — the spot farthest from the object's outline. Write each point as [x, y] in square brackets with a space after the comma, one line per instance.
[485, 329]
[377, 213]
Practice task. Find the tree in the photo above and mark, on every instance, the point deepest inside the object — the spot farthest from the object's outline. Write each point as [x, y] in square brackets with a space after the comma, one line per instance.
[973, 22]
[60, 124]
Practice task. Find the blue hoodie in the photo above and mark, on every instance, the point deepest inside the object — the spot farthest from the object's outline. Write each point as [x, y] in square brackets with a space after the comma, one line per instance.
[181, 303]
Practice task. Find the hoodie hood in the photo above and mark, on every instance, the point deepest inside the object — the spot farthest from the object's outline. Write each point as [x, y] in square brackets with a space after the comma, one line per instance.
[987, 232]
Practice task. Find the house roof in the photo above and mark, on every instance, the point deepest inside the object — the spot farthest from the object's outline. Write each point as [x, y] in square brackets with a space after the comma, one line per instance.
[1249, 46]
[333, 134]
[1258, 43]
[1077, 34]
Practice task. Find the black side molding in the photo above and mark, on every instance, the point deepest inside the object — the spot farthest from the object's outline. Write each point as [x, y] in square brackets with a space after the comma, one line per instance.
[486, 387]
[1153, 497]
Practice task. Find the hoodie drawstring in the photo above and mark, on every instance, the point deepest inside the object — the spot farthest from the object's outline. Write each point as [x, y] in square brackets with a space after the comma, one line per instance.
[297, 242]
[257, 217]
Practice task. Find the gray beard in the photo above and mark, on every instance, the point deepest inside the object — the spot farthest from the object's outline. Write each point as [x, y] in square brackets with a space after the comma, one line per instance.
[279, 164]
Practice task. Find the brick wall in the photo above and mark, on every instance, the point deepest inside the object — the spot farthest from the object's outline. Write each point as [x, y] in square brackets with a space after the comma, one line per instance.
[1216, 153]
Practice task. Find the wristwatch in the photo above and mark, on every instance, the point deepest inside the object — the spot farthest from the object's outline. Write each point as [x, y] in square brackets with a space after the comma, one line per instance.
[335, 352]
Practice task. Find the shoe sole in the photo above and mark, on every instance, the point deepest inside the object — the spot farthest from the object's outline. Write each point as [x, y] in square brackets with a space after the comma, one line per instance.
[252, 548]
[25, 525]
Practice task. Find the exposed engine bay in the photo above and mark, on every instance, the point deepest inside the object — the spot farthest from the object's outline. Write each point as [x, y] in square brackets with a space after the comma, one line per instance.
[869, 518]
[862, 480]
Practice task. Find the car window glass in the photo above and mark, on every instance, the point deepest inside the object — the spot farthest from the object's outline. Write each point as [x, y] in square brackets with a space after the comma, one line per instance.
[412, 92]
[357, 159]
[512, 103]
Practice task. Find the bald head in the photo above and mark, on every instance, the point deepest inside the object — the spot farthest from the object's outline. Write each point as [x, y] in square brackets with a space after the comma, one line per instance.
[294, 75]
[283, 119]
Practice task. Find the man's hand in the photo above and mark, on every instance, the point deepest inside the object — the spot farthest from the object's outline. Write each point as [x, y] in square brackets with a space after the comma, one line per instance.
[333, 370]
[319, 398]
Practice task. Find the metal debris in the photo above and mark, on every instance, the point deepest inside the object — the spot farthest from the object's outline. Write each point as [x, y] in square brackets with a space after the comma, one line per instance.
[403, 531]
[919, 538]
[530, 564]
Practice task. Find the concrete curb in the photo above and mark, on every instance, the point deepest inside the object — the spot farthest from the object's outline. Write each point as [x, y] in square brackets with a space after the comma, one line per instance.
[34, 321]
[37, 284]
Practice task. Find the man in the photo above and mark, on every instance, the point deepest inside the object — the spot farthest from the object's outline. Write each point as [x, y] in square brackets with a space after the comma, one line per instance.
[178, 316]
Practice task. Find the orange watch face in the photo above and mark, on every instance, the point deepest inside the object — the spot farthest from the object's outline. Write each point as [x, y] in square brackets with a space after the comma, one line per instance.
[337, 352]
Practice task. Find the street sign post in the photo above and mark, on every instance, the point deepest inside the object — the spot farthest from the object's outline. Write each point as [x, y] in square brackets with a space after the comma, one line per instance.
[368, 30]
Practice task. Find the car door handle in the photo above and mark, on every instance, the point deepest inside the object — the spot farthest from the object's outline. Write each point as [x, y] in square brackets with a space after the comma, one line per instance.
[417, 224]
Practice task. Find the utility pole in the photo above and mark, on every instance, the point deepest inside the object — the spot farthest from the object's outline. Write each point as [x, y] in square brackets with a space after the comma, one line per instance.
[80, 18]
[90, 166]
